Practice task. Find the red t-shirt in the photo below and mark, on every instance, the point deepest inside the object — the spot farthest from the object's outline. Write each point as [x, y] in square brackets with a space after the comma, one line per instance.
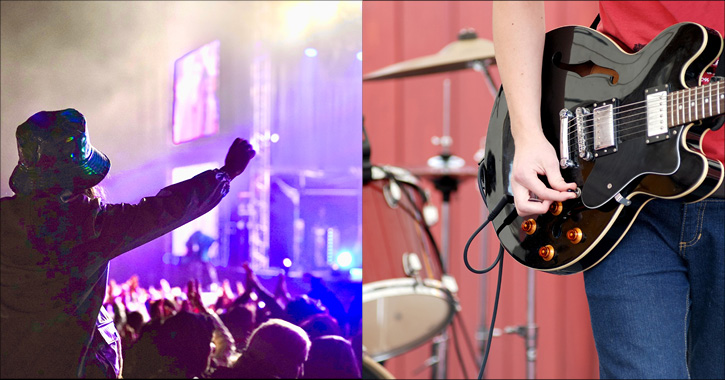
[635, 23]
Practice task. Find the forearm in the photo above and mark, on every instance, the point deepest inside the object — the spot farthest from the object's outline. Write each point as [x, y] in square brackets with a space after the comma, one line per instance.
[518, 35]
[123, 227]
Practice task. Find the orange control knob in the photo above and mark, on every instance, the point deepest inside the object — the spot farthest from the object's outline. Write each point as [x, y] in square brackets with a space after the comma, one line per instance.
[529, 226]
[555, 208]
[575, 235]
[546, 252]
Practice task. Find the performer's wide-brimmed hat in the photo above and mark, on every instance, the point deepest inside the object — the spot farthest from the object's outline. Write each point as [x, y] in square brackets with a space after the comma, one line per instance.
[55, 154]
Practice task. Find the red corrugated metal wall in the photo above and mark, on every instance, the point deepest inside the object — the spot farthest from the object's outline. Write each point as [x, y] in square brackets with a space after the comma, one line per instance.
[401, 117]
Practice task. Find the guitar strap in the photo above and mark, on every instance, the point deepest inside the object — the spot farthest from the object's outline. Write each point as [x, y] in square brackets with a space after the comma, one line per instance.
[595, 23]
[720, 72]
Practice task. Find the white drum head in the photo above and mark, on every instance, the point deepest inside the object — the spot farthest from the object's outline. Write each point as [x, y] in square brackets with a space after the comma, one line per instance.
[401, 314]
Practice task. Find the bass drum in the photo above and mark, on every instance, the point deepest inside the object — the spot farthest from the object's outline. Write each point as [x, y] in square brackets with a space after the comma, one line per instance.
[406, 296]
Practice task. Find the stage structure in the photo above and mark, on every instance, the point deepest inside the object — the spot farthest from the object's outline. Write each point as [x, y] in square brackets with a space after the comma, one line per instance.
[304, 200]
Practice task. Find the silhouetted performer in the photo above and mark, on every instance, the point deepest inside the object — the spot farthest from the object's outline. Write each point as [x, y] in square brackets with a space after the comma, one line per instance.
[197, 252]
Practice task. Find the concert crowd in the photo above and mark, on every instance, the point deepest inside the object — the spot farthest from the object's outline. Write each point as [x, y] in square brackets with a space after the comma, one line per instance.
[243, 333]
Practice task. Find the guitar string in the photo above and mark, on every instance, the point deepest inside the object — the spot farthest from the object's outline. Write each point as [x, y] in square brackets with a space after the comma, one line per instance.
[689, 98]
[574, 142]
[573, 138]
[624, 128]
[683, 99]
[590, 116]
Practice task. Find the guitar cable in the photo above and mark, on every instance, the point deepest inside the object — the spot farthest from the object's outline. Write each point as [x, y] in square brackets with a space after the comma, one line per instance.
[499, 258]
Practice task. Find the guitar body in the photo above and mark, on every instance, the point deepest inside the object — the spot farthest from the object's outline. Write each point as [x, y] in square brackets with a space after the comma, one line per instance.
[584, 68]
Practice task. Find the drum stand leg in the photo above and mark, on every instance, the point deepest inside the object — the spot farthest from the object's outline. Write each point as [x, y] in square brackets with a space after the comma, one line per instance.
[530, 330]
[447, 185]
[440, 350]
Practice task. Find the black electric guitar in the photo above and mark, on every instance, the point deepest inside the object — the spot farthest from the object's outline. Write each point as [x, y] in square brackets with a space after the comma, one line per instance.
[627, 129]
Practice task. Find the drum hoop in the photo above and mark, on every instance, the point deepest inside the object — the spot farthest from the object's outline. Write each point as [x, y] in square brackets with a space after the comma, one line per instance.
[406, 286]
[375, 367]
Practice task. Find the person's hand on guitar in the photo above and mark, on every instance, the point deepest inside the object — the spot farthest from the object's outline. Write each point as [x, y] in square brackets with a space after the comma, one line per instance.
[535, 156]
[518, 35]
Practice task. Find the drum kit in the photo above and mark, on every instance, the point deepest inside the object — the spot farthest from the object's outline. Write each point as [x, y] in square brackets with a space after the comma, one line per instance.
[408, 296]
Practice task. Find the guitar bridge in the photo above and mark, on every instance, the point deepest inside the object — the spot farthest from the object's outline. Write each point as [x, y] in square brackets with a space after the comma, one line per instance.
[565, 159]
[585, 152]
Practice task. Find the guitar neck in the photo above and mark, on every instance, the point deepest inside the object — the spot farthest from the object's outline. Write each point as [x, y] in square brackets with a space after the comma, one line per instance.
[696, 103]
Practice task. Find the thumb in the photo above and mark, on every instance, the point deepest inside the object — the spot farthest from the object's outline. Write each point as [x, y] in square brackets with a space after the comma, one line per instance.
[556, 181]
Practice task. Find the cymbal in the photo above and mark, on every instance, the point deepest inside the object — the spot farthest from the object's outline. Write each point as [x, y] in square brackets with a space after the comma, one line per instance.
[456, 55]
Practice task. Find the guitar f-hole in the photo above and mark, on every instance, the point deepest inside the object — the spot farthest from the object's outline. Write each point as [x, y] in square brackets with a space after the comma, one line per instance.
[586, 68]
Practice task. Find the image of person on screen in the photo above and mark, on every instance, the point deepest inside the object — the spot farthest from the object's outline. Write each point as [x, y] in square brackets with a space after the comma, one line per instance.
[58, 237]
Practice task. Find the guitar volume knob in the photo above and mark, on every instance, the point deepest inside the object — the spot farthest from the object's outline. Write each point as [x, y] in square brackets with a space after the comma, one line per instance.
[529, 226]
[546, 252]
[575, 235]
[555, 208]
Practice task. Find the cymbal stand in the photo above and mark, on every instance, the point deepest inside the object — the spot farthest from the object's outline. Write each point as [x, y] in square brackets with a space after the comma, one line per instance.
[446, 185]
[530, 330]
[482, 67]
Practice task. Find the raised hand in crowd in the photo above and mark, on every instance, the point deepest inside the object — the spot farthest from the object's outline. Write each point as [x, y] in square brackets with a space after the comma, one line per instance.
[225, 347]
[281, 293]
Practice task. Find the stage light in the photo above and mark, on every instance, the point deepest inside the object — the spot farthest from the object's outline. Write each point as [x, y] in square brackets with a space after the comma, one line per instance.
[356, 274]
[359, 55]
[311, 52]
[274, 138]
[344, 259]
[287, 262]
[303, 15]
[261, 304]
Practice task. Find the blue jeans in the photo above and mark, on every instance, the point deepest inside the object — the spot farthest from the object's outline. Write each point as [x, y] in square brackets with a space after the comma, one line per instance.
[657, 301]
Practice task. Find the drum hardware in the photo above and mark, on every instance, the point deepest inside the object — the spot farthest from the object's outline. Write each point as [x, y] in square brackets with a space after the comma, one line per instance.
[529, 331]
[446, 164]
[449, 282]
[391, 192]
[430, 214]
[404, 304]
[411, 264]
[446, 170]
